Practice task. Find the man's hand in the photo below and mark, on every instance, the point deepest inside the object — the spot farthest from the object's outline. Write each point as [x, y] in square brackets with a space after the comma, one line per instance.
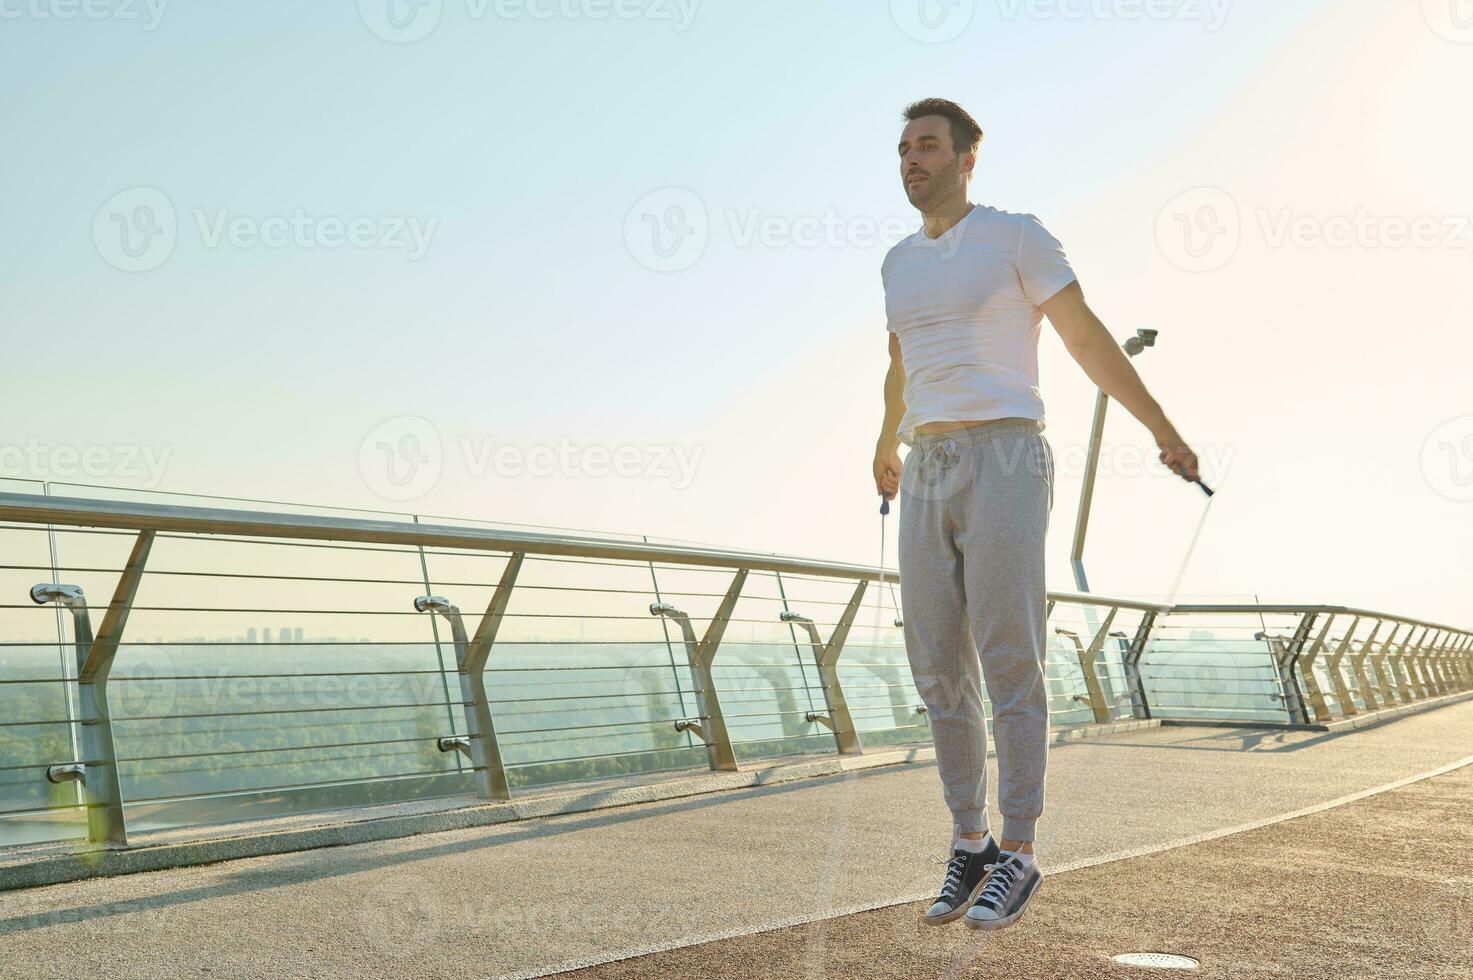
[1176, 454]
[888, 468]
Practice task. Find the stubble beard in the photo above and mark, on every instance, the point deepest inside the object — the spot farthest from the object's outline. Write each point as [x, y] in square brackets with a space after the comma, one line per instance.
[938, 187]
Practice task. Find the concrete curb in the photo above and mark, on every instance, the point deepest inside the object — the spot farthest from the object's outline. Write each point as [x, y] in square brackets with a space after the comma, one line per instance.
[1387, 714]
[35, 870]
[1351, 723]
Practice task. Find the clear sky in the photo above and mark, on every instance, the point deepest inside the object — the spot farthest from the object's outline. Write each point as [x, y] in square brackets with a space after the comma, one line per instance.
[614, 264]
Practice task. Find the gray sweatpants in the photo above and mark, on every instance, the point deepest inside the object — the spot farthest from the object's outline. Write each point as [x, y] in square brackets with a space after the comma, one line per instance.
[974, 509]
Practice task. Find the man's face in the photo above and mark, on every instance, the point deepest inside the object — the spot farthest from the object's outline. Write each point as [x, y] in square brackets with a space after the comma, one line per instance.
[930, 169]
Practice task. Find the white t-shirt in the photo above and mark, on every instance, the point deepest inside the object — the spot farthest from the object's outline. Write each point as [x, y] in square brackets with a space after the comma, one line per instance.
[966, 307]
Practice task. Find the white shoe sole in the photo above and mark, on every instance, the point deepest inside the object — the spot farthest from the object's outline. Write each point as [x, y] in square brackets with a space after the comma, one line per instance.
[959, 911]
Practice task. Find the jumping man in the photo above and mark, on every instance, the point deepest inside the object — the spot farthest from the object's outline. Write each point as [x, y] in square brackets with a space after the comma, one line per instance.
[965, 297]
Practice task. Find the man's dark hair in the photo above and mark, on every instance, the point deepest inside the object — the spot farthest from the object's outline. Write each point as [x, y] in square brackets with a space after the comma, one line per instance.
[966, 135]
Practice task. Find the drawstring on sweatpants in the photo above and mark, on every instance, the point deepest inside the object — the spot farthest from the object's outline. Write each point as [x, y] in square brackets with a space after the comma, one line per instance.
[942, 449]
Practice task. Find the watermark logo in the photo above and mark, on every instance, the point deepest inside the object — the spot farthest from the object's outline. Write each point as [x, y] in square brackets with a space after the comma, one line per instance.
[400, 21]
[1212, 14]
[402, 458]
[141, 466]
[668, 230]
[303, 230]
[1200, 230]
[146, 685]
[135, 230]
[568, 460]
[406, 21]
[1447, 459]
[933, 21]
[147, 13]
[1450, 19]
[401, 915]
[1362, 229]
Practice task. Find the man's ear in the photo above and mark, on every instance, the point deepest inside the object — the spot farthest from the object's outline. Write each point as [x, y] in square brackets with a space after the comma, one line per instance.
[969, 162]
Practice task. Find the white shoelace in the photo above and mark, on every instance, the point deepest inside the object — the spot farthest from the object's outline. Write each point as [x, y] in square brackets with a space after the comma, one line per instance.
[954, 869]
[1004, 876]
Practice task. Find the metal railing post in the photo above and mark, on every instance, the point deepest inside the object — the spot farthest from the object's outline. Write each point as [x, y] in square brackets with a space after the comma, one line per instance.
[1332, 664]
[1139, 706]
[838, 719]
[1358, 663]
[1097, 701]
[711, 726]
[1450, 661]
[1305, 661]
[1432, 665]
[1407, 659]
[1382, 666]
[1463, 661]
[1411, 665]
[97, 770]
[1428, 663]
[1391, 664]
[480, 742]
[1285, 656]
[1445, 662]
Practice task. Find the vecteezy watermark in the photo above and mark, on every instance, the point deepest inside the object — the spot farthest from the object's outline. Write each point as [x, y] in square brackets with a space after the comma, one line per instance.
[137, 230]
[406, 21]
[1202, 229]
[1363, 229]
[1447, 459]
[669, 229]
[146, 13]
[400, 915]
[401, 458]
[933, 21]
[937, 21]
[1212, 14]
[142, 466]
[1450, 19]
[404, 458]
[660, 461]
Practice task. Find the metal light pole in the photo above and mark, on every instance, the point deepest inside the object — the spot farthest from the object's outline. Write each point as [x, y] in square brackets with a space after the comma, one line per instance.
[1133, 346]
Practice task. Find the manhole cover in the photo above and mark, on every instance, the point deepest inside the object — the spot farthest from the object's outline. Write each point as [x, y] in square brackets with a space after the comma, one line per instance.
[1157, 961]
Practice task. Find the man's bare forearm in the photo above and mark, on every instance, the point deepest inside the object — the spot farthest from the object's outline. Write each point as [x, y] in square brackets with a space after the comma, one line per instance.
[894, 406]
[1110, 369]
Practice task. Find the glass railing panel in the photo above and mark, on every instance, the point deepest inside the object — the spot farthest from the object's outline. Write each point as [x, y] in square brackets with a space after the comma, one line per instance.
[873, 669]
[583, 681]
[259, 676]
[1209, 665]
[36, 701]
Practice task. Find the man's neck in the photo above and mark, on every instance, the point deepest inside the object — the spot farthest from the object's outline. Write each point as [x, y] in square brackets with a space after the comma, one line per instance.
[945, 218]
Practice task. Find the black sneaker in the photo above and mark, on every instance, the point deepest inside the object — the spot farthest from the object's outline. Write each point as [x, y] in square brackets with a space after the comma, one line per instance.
[965, 873]
[1005, 894]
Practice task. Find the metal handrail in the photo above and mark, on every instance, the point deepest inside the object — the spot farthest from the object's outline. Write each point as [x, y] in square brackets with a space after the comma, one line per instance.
[23, 508]
[1186, 608]
[1436, 660]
